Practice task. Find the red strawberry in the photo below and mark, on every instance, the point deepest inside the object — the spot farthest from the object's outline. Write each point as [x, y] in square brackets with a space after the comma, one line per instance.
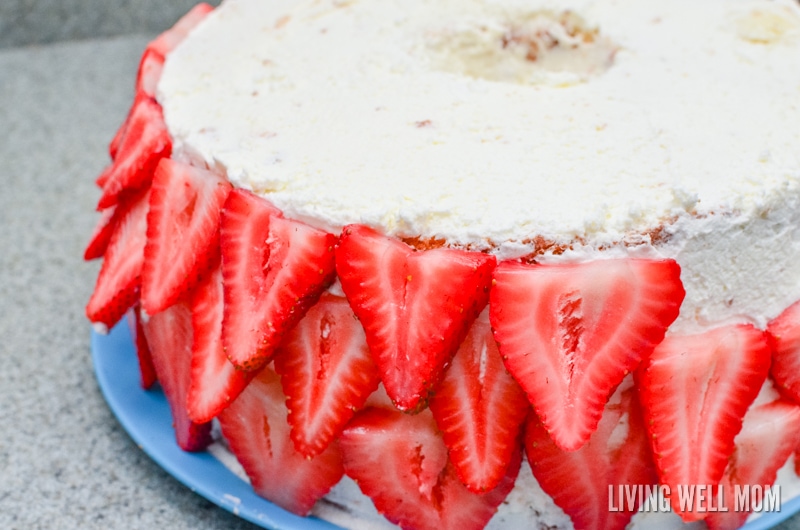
[784, 335]
[98, 243]
[182, 231]
[144, 142]
[150, 66]
[169, 334]
[569, 333]
[768, 436]
[149, 73]
[167, 41]
[480, 410]
[152, 63]
[401, 463]
[273, 270]
[146, 369]
[117, 286]
[416, 307]
[215, 382]
[616, 455]
[113, 148]
[797, 460]
[695, 390]
[326, 372]
[256, 429]
[380, 399]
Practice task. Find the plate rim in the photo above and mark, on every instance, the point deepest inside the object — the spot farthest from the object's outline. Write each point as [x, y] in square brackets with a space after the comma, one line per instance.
[145, 416]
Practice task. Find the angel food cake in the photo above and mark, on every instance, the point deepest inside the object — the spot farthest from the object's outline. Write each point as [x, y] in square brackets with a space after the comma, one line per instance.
[444, 260]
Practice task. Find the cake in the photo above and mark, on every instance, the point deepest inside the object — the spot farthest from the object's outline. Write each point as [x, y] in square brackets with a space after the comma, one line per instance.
[476, 263]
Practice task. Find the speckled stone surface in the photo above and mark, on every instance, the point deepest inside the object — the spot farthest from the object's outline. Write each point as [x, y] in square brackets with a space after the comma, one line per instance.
[65, 463]
[25, 22]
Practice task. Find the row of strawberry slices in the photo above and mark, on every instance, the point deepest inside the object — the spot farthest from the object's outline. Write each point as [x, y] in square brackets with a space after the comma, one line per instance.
[380, 438]
[230, 285]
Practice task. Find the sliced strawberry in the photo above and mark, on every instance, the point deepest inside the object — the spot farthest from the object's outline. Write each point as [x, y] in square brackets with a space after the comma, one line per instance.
[401, 463]
[144, 142]
[784, 335]
[380, 399]
[256, 429]
[797, 459]
[416, 307]
[273, 270]
[169, 334]
[569, 333]
[147, 371]
[150, 66]
[326, 371]
[617, 455]
[98, 243]
[117, 287]
[149, 73]
[168, 40]
[215, 382]
[480, 410]
[769, 435]
[182, 231]
[695, 390]
[113, 149]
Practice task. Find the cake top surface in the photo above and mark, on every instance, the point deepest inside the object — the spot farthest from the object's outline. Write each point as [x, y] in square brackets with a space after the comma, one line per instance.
[490, 123]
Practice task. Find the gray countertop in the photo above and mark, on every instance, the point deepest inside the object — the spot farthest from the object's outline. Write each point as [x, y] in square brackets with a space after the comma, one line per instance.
[65, 463]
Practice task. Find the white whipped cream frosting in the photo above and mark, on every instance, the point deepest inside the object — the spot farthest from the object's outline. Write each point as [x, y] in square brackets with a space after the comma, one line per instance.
[664, 129]
[424, 118]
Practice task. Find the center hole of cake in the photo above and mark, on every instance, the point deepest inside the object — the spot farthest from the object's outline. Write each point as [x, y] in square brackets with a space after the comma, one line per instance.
[540, 47]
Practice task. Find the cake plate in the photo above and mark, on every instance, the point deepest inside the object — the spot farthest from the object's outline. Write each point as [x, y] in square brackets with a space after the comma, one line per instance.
[145, 415]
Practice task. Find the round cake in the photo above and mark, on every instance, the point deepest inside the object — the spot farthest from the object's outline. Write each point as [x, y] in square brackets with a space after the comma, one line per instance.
[443, 260]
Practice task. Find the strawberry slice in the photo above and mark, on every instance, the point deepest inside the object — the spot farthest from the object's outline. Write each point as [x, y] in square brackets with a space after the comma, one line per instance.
[326, 371]
[480, 410]
[117, 287]
[617, 455]
[98, 243]
[273, 270]
[116, 141]
[149, 73]
[182, 231]
[144, 142]
[169, 40]
[215, 382]
[257, 433]
[797, 460]
[416, 307]
[113, 148]
[695, 390]
[150, 66]
[169, 334]
[152, 63]
[401, 463]
[784, 335]
[768, 436]
[147, 371]
[569, 333]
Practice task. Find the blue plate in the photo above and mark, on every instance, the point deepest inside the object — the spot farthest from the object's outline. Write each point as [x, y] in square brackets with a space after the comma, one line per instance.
[147, 418]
